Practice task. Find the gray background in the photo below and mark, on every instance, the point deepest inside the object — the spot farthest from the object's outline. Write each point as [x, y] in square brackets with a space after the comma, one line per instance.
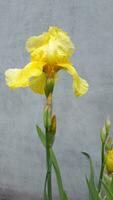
[22, 157]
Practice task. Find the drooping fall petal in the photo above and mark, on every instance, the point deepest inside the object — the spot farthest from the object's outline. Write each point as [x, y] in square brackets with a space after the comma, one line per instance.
[37, 84]
[80, 86]
[16, 78]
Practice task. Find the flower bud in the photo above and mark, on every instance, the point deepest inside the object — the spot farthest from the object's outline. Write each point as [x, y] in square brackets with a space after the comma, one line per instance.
[52, 131]
[109, 161]
[49, 86]
[47, 117]
[103, 134]
[108, 125]
[109, 144]
[53, 124]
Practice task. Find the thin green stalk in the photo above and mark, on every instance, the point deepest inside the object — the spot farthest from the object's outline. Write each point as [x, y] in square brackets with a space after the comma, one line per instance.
[45, 194]
[48, 146]
[49, 182]
[102, 166]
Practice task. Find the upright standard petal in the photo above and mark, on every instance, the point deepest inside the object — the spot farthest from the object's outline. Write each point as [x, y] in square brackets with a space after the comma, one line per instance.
[80, 86]
[35, 42]
[63, 39]
[16, 78]
[51, 46]
[59, 47]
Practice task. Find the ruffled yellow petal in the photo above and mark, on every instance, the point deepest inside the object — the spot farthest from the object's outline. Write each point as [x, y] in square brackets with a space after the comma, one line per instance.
[35, 42]
[62, 39]
[109, 161]
[53, 46]
[16, 78]
[80, 86]
[39, 55]
[37, 85]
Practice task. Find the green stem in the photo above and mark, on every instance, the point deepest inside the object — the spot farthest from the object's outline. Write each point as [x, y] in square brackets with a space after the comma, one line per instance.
[45, 194]
[48, 158]
[102, 167]
[48, 146]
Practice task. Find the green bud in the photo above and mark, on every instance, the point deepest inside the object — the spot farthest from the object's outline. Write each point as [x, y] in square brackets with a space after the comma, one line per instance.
[51, 139]
[49, 86]
[109, 144]
[52, 131]
[103, 134]
[53, 124]
[47, 117]
[108, 147]
[108, 126]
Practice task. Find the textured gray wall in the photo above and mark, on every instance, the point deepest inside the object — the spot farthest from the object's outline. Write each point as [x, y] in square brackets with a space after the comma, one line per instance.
[22, 157]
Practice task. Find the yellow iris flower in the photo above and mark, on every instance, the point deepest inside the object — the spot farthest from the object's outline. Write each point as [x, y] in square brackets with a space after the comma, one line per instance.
[109, 161]
[49, 53]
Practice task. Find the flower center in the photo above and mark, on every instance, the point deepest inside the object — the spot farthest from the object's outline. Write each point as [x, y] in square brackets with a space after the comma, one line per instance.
[51, 70]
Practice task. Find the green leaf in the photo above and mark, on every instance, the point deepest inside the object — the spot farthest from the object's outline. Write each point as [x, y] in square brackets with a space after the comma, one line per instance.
[62, 193]
[45, 194]
[93, 193]
[41, 135]
[107, 180]
[108, 189]
[109, 193]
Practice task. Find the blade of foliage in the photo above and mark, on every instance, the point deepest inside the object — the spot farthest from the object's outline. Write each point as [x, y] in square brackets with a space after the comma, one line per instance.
[62, 194]
[93, 193]
[108, 189]
[45, 194]
[58, 175]
[41, 135]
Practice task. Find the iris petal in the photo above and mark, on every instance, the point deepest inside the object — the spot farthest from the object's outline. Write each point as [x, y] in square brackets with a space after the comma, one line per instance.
[16, 78]
[37, 84]
[80, 86]
[35, 42]
[51, 46]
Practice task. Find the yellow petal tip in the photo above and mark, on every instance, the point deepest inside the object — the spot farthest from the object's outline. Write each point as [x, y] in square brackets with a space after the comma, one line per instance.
[80, 87]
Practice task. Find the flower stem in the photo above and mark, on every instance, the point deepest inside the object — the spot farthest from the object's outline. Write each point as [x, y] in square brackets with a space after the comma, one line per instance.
[102, 166]
[48, 150]
[49, 182]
